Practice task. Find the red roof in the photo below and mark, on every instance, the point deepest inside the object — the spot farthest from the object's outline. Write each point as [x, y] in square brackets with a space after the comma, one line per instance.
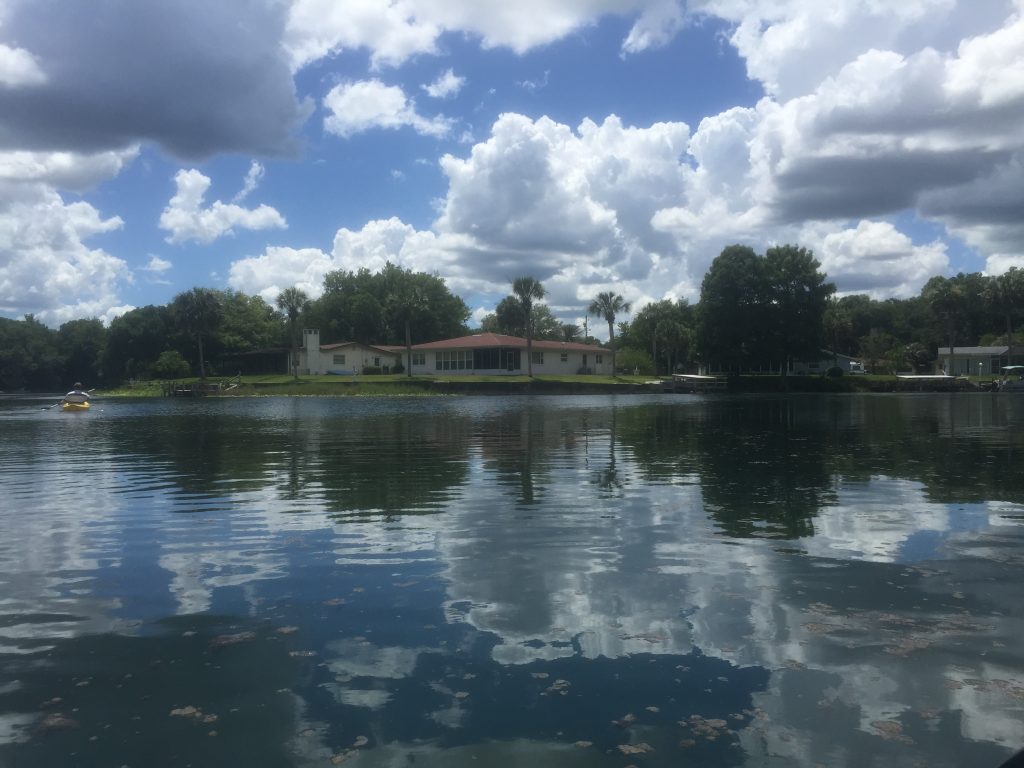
[490, 340]
[340, 344]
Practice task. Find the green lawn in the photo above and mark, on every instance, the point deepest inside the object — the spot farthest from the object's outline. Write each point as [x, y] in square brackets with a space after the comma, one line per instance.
[393, 384]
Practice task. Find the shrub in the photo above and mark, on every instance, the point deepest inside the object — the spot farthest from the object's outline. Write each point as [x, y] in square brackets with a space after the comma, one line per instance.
[170, 365]
[371, 370]
[834, 372]
[631, 359]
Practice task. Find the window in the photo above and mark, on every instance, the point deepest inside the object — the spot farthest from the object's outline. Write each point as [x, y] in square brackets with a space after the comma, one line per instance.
[339, 359]
[564, 357]
[457, 360]
[486, 359]
[538, 358]
[419, 358]
[598, 359]
[376, 362]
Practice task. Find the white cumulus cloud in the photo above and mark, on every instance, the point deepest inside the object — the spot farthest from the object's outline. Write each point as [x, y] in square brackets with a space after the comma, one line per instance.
[279, 268]
[870, 257]
[252, 180]
[64, 170]
[19, 68]
[395, 31]
[362, 106]
[46, 268]
[377, 243]
[448, 84]
[186, 218]
[156, 264]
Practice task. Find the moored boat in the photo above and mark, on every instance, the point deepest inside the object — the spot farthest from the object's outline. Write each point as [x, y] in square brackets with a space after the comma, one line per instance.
[1013, 379]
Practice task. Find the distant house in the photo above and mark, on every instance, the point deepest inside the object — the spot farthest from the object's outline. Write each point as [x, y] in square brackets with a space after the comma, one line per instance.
[825, 361]
[495, 354]
[343, 358]
[812, 367]
[978, 361]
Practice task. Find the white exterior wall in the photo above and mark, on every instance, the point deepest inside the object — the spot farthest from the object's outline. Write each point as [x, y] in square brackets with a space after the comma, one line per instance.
[553, 364]
[314, 361]
[357, 357]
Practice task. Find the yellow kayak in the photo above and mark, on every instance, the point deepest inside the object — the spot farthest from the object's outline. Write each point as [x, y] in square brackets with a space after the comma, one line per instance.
[65, 406]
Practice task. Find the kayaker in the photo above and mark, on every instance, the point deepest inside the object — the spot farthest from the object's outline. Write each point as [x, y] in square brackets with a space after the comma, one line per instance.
[77, 395]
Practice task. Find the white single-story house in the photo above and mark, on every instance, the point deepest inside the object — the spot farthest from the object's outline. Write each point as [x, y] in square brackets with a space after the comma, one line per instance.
[344, 358]
[495, 353]
[796, 367]
[978, 361]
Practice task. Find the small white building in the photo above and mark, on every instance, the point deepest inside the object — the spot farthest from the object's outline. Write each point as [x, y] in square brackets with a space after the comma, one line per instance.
[496, 354]
[978, 361]
[346, 358]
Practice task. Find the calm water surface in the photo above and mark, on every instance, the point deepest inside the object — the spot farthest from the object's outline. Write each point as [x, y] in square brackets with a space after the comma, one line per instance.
[664, 581]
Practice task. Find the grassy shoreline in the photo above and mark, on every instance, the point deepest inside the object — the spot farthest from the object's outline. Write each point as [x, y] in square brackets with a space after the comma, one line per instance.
[425, 386]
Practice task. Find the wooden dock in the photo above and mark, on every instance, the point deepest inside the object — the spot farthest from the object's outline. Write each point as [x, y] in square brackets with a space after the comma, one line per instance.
[197, 388]
[691, 382]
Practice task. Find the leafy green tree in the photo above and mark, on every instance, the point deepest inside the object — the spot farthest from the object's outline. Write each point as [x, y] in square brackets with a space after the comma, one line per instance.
[798, 293]
[134, 340]
[248, 323]
[918, 356]
[368, 322]
[732, 316]
[608, 305]
[675, 339]
[642, 331]
[80, 343]
[341, 315]
[1005, 295]
[170, 365]
[545, 324]
[837, 325]
[509, 317]
[528, 290]
[198, 312]
[946, 300]
[28, 356]
[292, 302]
[406, 306]
[632, 359]
[877, 350]
[569, 332]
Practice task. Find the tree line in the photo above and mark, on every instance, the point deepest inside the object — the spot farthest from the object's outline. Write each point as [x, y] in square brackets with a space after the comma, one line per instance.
[754, 310]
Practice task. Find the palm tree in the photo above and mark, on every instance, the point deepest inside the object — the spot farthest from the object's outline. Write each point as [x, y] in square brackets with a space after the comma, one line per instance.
[569, 331]
[199, 311]
[527, 290]
[837, 321]
[293, 302]
[607, 305]
[945, 297]
[676, 337]
[1005, 294]
[406, 305]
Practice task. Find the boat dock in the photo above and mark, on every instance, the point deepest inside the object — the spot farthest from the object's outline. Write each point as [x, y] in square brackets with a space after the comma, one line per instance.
[691, 382]
[197, 388]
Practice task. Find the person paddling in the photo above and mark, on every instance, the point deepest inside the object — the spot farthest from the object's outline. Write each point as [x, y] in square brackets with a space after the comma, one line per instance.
[76, 395]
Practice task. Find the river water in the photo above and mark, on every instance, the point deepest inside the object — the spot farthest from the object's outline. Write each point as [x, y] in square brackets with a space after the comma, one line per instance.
[670, 580]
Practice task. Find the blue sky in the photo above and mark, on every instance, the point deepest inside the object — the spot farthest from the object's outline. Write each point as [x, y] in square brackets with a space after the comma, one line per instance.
[150, 147]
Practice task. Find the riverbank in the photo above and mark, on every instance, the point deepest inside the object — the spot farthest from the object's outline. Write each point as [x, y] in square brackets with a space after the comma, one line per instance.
[404, 386]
